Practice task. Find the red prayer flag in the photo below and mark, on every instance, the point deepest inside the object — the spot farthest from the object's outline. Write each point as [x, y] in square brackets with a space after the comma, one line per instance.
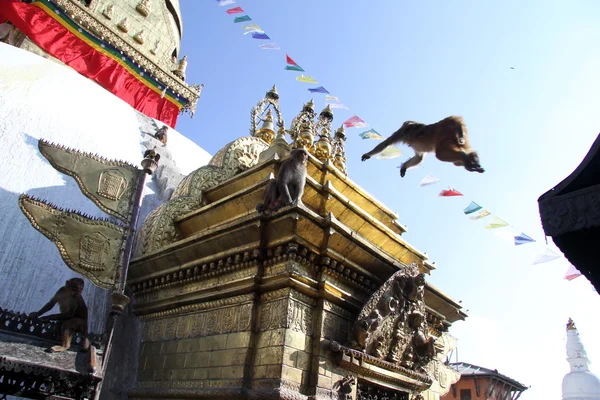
[51, 32]
[450, 192]
[234, 10]
[289, 60]
[352, 121]
[572, 273]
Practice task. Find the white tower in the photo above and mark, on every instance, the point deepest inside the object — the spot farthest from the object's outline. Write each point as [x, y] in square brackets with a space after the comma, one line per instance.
[580, 383]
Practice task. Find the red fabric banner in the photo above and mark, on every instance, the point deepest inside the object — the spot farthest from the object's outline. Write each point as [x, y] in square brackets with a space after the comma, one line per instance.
[60, 42]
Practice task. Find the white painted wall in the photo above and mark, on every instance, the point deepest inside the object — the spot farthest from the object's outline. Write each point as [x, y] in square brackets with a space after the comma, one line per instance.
[41, 99]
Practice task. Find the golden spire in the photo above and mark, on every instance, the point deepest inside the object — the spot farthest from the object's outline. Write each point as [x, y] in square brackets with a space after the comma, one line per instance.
[571, 325]
[339, 152]
[267, 130]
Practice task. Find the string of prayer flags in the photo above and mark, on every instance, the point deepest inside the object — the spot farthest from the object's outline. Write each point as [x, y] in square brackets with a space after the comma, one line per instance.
[389, 153]
[319, 89]
[306, 79]
[496, 223]
[429, 179]
[545, 257]
[292, 65]
[572, 273]
[471, 208]
[243, 18]
[371, 134]
[225, 2]
[482, 214]
[260, 35]
[270, 46]
[522, 239]
[235, 10]
[450, 192]
[355, 122]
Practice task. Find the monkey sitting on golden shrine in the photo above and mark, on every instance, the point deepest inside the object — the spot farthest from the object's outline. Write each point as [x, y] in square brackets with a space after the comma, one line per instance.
[73, 313]
[288, 188]
[448, 138]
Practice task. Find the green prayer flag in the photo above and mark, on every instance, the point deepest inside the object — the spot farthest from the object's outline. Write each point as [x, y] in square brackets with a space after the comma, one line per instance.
[293, 68]
[242, 19]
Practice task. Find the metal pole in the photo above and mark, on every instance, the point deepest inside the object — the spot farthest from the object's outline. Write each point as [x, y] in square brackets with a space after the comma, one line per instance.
[119, 300]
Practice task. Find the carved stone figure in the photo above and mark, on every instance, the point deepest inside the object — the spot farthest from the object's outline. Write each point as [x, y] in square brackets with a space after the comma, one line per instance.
[392, 325]
[73, 313]
[344, 387]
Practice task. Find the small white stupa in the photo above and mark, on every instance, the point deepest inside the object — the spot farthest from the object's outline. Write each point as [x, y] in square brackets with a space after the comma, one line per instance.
[580, 383]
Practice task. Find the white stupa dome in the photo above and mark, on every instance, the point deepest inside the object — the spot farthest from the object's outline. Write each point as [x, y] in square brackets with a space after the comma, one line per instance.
[580, 383]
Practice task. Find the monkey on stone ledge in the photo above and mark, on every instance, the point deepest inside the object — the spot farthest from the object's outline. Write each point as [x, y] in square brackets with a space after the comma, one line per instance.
[73, 313]
[448, 138]
[288, 188]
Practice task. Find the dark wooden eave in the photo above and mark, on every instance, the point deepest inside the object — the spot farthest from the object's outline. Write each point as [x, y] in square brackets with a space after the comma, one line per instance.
[570, 214]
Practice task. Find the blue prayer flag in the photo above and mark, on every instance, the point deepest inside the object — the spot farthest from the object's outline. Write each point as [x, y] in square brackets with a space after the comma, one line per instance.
[319, 89]
[523, 239]
[260, 35]
[471, 208]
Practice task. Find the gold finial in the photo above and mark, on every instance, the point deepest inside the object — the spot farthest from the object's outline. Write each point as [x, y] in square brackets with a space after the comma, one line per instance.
[327, 113]
[267, 130]
[571, 325]
[323, 146]
[108, 11]
[143, 7]
[339, 153]
[181, 66]
[139, 37]
[272, 94]
[124, 25]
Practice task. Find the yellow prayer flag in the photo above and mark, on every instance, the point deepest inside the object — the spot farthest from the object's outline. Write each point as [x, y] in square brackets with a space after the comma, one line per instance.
[306, 79]
[496, 223]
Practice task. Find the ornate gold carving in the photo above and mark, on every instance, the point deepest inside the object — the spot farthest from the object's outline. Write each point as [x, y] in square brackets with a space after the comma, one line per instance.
[289, 312]
[268, 103]
[93, 251]
[139, 37]
[108, 183]
[209, 322]
[112, 184]
[200, 307]
[123, 25]
[143, 7]
[96, 255]
[159, 228]
[109, 11]
[156, 47]
[392, 323]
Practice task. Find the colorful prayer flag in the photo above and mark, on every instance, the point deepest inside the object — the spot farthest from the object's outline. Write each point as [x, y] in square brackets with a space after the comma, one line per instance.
[471, 208]
[482, 214]
[337, 105]
[523, 239]
[306, 79]
[450, 192]
[243, 18]
[225, 2]
[289, 60]
[389, 153]
[252, 27]
[260, 35]
[294, 68]
[235, 10]
[270, 46]
[429, 179]
[572, 273]
[546, 256]
[371, 134]
[319, 89]
[496, 223]
[331, 98]
[355, 122]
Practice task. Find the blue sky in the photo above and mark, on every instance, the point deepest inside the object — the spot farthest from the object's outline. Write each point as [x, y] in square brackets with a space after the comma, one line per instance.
[392, 61]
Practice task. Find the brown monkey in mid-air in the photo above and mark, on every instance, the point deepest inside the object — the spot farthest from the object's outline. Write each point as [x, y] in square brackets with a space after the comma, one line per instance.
[288, 188]
[73, 313]
[448, 138]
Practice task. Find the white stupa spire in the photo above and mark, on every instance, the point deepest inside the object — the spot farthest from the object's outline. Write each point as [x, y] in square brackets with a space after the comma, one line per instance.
[580, 383]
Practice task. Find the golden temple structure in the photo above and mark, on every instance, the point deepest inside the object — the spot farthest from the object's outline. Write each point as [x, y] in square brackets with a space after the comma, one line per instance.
[320, 300]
